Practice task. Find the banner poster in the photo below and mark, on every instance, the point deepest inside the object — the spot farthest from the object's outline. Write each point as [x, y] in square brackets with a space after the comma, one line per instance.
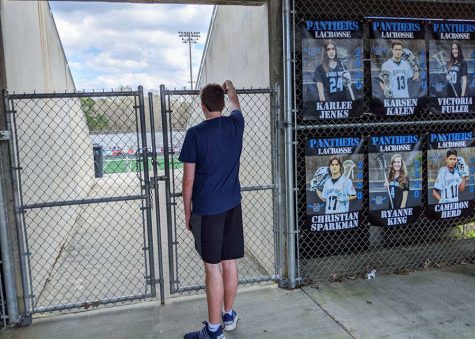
[452, 67]
[395, 179]
[332, 69]
[334, 183]
[398, 67]
[450, 166]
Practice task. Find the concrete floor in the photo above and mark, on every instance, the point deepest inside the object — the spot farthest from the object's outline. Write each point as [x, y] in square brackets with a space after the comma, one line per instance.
[104, 257]
[427, 304]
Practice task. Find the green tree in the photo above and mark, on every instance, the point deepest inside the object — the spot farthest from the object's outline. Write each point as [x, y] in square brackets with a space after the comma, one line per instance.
[95, 121]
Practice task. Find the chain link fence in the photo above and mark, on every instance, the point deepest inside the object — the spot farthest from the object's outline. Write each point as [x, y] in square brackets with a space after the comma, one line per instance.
[83, 207]
[86, 167]
[181, 109]
[353, 253]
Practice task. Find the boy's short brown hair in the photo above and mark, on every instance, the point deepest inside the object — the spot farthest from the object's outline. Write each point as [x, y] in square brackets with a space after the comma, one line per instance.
[396, 42]
[212, 97]
[451, 152]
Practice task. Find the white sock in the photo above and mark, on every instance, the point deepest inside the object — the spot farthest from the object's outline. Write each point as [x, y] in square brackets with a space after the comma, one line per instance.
[213, 327]
[230, 312]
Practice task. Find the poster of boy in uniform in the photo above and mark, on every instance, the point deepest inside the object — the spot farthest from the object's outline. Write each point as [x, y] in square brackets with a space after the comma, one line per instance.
[332, 69]
[398, 67]
[452, 67]
[334, 183]
[450, 165]
[395, 179]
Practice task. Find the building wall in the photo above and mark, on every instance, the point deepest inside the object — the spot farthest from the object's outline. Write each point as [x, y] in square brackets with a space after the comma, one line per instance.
[34, 56]
[55, 150]
[238, 49]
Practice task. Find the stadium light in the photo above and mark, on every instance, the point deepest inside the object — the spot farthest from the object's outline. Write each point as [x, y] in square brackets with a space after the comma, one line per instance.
[188, 37]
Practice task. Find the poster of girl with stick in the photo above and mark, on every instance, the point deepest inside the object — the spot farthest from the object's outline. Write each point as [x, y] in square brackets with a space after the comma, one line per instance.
[452, 67]
[395, 179]
[332, 69]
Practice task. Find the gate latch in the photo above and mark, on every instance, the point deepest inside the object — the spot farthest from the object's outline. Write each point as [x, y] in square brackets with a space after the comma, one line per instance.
[5, 135]
[154, 181]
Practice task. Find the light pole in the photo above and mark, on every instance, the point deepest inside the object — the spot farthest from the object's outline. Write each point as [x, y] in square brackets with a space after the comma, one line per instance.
[189, 38]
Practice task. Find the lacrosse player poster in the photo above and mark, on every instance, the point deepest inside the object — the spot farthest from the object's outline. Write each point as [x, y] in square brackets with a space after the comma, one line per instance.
[451, 74]
[450, 165]
[332, 69]
[334, 183]
[398, 67]
[395, 179]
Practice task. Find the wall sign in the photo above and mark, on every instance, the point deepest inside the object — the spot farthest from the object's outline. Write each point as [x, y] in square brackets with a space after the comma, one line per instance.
[398, 67]
[395, 179]
[332, 69]
[450, 165]
[334, 183]
[452, 67]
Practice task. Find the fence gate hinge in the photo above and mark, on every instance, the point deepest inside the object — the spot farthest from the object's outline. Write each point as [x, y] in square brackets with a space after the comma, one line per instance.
[5, 135]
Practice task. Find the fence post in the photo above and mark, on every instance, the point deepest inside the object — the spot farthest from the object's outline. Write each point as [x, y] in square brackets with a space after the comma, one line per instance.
[157, 195]
[11, 250]
[289, 149]
[7, 260]
[166, 161]
[148, 207]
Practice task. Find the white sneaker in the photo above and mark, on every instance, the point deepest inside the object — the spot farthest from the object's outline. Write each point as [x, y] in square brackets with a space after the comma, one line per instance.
[230, 321]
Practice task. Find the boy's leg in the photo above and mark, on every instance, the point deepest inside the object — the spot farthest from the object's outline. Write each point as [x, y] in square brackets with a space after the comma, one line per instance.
[210, 243]
[233, 248]
[214, 292]
[230, 281]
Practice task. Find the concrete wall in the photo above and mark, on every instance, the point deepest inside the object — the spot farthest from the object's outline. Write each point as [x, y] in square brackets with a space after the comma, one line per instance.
[238, 49]
[55, 149]
[34, 56]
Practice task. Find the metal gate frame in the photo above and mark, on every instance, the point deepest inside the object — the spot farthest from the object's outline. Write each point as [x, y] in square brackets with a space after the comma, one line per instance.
[149, 196]
[145, 199]
[171, 193]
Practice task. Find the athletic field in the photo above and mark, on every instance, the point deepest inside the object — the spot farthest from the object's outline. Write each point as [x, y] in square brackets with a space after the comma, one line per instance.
[132, 164]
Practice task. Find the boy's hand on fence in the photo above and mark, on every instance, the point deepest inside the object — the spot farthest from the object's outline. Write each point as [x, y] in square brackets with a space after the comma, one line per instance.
[228, 86]
[232, 94]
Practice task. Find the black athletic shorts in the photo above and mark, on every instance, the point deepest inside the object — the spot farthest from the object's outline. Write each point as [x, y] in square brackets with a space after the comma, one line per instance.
[219, 237]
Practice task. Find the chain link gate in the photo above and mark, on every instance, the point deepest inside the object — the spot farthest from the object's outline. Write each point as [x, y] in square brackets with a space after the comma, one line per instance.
[354, 253]
[84, 202]
[260, 193]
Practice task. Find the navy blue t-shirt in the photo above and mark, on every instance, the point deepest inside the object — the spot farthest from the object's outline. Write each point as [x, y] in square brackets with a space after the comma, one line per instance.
[215, 147]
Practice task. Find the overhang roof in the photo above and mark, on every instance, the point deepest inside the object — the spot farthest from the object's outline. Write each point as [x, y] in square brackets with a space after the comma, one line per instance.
[193, 2]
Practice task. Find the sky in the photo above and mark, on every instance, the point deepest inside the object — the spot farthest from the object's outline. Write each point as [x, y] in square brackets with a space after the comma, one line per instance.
[109, 45]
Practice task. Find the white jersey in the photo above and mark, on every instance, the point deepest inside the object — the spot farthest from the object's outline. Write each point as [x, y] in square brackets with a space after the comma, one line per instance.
[399, 73]
[448, 184]
[336, 192]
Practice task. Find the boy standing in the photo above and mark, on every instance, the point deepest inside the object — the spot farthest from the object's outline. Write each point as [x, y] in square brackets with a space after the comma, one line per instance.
[212, 202]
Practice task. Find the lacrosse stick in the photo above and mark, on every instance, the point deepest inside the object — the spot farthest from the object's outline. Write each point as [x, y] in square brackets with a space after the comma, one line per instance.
[342, 53]
[439, 58]
[348, 166]
[384, 77]
[381, 157]
[347, 83]
[319, 179]
[411, 59]
[462, 167]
